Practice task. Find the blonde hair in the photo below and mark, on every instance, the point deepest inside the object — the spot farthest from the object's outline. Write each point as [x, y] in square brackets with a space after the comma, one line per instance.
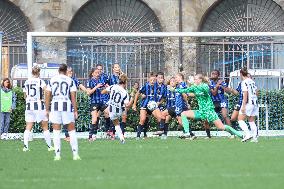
[123, 79]
[36, 71]
[203, 78]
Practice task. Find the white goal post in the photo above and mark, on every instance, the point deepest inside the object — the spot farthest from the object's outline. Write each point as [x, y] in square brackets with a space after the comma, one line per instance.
[30, 36]
[256, 38]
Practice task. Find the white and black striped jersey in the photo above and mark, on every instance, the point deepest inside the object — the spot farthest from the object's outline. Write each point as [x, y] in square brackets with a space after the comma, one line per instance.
[34, 89]
[61, 87]
[249, 86]
[118, 98]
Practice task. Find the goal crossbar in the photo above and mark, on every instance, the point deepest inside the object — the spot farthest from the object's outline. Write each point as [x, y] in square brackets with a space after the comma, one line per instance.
[30, 35]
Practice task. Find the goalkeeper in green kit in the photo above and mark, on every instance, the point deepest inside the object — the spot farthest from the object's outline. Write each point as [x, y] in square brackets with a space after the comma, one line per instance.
[206, 108]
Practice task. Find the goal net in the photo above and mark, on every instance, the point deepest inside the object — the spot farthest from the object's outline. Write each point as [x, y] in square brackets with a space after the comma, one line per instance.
[138, 54]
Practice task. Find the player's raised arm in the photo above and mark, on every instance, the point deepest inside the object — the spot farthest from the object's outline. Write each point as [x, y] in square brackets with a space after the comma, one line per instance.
[186, 90]
[82, 87]
[233, 91]
[91, 91]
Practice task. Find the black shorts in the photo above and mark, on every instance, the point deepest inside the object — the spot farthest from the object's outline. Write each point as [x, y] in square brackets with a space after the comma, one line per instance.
[162, 108]
[149, 112]
[217, 106]
[172, 112]
[98, 106]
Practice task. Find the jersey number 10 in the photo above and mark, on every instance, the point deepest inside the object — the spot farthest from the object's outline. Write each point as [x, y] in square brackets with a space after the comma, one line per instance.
[116, 97]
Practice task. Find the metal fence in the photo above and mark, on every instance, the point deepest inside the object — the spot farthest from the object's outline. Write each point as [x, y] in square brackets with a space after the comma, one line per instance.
[270, 101]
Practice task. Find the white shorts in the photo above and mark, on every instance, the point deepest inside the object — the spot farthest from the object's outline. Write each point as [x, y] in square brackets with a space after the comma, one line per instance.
[251, 110]
[114, 116]
[35, 116]
[64, 118]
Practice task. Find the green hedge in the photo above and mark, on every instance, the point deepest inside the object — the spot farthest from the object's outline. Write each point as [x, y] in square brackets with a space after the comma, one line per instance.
[274, 99]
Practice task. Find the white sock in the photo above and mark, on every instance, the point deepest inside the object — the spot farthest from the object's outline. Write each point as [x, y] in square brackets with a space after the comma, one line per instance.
[26, 138]
[47, 138]
[254, 129]
[56, 142]
[119, 132]
[244, 127]
[73, 142]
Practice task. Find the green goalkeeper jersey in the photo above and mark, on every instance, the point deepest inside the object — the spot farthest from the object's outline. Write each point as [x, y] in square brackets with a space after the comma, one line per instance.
[202, 95]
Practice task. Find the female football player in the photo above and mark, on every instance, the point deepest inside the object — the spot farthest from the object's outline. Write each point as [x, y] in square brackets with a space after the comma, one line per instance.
[34, 89]
[206, 108]
[119, 99]
[249, 108]
[94, 88]
[150, 92]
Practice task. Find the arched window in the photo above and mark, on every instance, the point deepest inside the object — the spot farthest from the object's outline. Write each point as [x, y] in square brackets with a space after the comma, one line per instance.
[230, 54]
[15, 26]
[136, 56]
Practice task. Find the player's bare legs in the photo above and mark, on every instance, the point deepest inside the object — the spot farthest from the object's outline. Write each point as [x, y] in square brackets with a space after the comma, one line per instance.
[46, 134]
[224, 113]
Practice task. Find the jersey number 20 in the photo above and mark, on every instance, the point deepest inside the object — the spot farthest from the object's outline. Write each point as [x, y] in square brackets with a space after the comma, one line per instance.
[60, 88]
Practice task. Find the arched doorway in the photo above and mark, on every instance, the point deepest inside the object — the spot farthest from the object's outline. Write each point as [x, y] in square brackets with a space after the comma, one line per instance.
[229, 54]
[136, 56]
[15, 26]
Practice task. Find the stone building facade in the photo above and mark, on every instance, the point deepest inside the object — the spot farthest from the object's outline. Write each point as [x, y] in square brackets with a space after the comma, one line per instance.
[173, 16]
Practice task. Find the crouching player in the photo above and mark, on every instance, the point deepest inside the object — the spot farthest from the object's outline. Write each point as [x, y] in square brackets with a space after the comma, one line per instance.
[150, 92]
[176, 103]
[118, 98]
[206, 107]
[34, 89]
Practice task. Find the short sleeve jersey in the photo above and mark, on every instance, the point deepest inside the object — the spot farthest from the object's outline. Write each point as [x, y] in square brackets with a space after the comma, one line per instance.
[249, 86]
[34, 88]
[118, 98]
[61, 87]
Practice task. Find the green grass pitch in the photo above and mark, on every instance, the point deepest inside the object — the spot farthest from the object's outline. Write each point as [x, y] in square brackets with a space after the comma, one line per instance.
[152, 163]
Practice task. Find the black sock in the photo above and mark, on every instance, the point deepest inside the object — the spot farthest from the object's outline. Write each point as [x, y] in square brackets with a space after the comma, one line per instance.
[122, 127]
[146, 121]
[191, 133]
[162, 125]
[139, 129]
[208, 133]
[95, 128]
[107, 126]
[234, 125]
[145, 130]
[91, 130]
[112, 128]
[166, 128]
